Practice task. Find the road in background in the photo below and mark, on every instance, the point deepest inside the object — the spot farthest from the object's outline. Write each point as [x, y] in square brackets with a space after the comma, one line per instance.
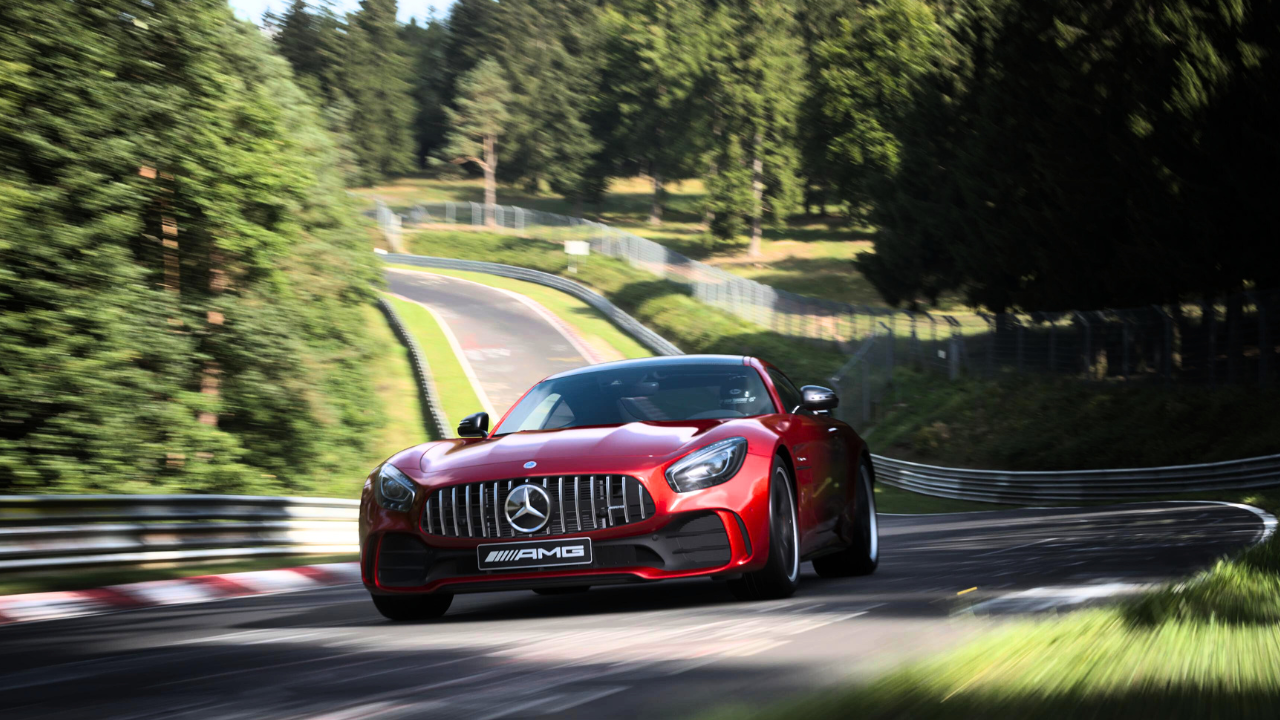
[509, 346]
[661, 650]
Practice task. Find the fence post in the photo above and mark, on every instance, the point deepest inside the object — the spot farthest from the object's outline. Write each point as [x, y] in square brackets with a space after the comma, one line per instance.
[450, 212]
[476, 219]
[519, 219]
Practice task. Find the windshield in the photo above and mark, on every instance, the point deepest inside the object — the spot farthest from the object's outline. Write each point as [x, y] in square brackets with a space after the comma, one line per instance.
[641, 394]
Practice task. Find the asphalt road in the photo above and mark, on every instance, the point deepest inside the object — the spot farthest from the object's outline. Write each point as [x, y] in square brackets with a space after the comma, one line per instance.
[660, 650]
[509, 346]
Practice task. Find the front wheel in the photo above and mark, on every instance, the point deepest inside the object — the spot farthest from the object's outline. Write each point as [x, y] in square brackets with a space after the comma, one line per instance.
[780, 576]
[412, 607]
[863, 554]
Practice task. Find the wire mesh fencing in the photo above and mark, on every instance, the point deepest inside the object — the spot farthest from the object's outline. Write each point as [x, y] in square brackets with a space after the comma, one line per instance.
[1219, 341]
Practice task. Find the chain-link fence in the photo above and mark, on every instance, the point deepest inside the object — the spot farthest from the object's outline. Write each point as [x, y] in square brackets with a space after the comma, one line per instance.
[1231, 340]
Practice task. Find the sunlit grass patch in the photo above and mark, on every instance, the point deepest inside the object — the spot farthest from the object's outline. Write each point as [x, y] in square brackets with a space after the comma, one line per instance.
[456, 395]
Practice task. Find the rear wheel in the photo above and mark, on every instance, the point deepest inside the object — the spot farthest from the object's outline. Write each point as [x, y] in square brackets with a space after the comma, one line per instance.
[570, 590]
[781, 574]
[412, 607]
[863, 554]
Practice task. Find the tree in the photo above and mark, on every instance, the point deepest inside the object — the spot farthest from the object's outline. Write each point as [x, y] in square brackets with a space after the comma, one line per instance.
[755, 92]
[656, 55]
[477, 123]
[375, 76]
[549, 49]
[426, 45]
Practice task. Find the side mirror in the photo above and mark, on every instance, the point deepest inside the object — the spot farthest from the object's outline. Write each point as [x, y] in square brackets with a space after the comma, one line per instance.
[476, 425]
[818, 399]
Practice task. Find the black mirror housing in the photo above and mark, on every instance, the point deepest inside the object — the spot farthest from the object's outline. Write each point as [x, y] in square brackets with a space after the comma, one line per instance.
[816, 398]
[476, 425]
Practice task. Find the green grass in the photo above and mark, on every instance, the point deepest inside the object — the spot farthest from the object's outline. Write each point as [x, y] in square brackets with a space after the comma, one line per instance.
[396, 389]
[1090, 665]
[602, 335]
[456, 395]
[1035, 423]
[12, 584]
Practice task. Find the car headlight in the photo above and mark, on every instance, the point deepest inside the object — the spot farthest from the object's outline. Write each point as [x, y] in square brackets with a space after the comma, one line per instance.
[393, 489]
[709, 466]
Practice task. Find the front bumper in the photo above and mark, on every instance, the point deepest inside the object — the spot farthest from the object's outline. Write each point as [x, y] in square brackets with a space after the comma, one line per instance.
[722, 530]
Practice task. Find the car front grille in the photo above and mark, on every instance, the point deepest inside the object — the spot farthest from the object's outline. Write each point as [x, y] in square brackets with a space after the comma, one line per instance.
[578, 503]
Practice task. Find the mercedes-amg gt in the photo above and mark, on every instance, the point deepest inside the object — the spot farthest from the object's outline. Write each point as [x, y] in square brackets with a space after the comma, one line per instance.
[631, 471]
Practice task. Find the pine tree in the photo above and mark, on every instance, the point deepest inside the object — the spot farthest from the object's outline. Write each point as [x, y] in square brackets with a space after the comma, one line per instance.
[755, 90]
[375, 73]
[483, 102]
[426, 45]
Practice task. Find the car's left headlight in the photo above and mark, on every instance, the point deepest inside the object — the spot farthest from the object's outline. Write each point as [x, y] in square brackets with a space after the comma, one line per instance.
[393, 489]
[709, 466]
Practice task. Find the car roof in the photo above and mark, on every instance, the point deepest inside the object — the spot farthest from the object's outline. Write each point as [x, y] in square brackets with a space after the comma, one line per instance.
[660, 361]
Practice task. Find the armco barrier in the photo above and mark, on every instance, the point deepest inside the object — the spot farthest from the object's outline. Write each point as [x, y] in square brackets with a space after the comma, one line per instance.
[44, 532]
[644, 335]
[994, 486]
[1027, 488]
[433, 417]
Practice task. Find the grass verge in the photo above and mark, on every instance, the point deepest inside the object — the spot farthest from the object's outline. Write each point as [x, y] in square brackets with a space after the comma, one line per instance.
[457, 397]
[96, 578]
[396, 390]
[1020, 422]
[594, 328]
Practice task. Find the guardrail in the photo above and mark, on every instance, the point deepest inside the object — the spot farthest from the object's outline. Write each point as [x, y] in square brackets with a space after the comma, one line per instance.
[49, 532]
[644, 335]
[433, 416]
[1027, 488]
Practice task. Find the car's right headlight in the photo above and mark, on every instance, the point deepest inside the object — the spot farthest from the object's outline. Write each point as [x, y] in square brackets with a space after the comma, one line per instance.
[393, 489]
[709, 466]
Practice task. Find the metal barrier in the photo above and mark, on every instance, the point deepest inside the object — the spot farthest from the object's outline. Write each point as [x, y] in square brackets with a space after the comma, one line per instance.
[433, 416]
[49, 532]
[644, 335]
[1027, 488]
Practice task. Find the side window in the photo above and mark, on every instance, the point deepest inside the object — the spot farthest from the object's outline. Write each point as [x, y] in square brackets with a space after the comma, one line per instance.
[787, 392]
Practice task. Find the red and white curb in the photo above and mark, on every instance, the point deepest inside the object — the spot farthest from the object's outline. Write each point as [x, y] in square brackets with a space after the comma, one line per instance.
[181, 591]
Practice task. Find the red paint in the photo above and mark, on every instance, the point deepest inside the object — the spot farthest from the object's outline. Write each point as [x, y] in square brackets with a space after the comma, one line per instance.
[824, 483]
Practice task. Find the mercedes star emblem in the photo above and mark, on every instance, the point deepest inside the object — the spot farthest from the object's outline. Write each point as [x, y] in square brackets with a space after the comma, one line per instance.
[528, 508]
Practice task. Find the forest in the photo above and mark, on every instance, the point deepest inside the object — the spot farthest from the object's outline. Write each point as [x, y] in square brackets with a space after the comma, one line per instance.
[184, 280]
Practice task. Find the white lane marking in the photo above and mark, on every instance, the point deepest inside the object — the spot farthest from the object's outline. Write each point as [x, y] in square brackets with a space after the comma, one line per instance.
[561, 326]
[1268, 520]
[1045, 598]
[462, 356]
[1015, 547]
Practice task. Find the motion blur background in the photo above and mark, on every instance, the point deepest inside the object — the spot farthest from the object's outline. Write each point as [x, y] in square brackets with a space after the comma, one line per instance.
[1083, 194]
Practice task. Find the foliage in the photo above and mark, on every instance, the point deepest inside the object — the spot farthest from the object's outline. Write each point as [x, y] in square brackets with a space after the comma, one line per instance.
[375, 72]
[482, 112]
[175, 246]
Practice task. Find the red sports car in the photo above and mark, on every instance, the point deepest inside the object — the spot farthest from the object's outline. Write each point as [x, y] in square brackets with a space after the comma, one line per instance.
[630, 471]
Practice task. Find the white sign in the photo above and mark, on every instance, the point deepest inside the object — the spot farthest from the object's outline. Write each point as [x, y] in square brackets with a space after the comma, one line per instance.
[577, 247]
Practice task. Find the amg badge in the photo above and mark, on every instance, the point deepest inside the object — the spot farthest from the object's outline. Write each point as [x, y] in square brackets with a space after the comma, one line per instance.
[539, 553]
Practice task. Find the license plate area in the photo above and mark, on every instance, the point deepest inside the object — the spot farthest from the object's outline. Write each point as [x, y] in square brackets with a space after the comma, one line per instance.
[534, 554]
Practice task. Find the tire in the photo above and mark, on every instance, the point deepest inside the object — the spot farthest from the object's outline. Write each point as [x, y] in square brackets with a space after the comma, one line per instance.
[780, 575]
[570, 590]
[402, 608]
[862, 557]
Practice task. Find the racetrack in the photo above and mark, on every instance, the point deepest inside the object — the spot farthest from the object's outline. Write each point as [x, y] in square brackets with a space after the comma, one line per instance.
[618, 652]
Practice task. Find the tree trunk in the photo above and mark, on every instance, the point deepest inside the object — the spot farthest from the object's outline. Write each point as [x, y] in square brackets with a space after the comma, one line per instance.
[757, 197]
[709, 215]
[655, 207]
[490, 182]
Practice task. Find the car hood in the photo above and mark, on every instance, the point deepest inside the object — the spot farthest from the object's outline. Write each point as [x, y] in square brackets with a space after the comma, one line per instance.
[550, 448]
